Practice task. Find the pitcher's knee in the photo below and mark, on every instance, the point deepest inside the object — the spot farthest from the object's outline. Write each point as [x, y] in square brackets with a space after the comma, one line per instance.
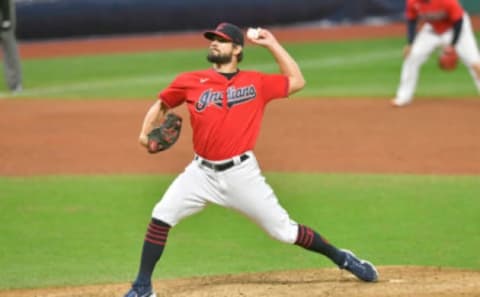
[287, 233]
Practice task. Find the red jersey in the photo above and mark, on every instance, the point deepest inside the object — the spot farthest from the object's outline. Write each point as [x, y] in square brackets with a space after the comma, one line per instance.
[441, 14]
[225, 115]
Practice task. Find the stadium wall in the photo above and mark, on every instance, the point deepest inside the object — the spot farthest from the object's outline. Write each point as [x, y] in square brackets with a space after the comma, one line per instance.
[52, 19]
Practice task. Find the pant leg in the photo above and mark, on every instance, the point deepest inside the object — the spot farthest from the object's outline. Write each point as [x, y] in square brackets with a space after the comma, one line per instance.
[188, 194]
[467, 49]
[11, 59]
[424, 44]
[249, 194]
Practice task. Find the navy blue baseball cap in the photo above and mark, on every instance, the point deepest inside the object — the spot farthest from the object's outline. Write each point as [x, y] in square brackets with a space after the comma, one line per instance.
[226, 31]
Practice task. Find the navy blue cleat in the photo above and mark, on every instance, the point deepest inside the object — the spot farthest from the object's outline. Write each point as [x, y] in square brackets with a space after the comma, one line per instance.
[362, 269]
[141, 291]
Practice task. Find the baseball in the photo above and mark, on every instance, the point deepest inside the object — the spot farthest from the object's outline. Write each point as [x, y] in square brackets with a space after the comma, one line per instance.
[253, 33]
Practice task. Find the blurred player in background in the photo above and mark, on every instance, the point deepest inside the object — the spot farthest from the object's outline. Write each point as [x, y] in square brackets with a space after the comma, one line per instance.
[444, 24]
[11, 59]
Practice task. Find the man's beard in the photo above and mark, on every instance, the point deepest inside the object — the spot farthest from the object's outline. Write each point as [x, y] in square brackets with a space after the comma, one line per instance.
[219, 59]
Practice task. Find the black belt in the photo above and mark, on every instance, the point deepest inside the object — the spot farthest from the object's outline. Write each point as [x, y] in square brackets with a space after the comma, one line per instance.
[221, 166]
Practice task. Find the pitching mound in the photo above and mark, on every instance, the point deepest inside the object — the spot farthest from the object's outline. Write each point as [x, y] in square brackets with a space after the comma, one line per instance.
[395, 281]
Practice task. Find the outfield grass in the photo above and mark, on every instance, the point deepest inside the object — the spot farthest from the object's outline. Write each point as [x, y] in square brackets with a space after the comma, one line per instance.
[332, 69]
[82, 230]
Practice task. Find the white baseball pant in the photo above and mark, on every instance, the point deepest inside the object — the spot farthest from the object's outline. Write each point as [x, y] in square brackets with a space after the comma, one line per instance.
[242, 188]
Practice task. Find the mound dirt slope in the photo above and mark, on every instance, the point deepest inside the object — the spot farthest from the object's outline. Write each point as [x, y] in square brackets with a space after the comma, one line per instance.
[395, 281]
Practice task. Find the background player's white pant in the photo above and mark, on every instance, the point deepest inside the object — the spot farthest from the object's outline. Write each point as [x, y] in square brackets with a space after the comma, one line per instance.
[242, 188]
[11, 59]
[426, 41]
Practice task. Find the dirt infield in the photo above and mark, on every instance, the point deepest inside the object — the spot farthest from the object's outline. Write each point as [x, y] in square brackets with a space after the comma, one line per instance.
[364, 136]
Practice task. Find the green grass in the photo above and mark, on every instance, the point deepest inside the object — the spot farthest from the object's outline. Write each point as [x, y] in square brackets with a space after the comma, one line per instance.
[82, 230]
[332, 69]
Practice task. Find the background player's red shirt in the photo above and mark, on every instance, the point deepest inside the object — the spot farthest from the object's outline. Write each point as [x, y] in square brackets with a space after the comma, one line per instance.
[441, 14]
[225, 114]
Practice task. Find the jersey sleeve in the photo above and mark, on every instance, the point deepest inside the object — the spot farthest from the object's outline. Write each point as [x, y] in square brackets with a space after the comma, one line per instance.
[454, 9]
[175, 93]
[274, 86]
[410, 12]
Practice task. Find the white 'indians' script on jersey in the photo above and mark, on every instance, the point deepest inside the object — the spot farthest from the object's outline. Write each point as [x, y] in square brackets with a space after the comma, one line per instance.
[234, 96]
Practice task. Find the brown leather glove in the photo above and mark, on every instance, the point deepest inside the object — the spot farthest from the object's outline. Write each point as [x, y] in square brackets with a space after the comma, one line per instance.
[448, 59]
[164, 136]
